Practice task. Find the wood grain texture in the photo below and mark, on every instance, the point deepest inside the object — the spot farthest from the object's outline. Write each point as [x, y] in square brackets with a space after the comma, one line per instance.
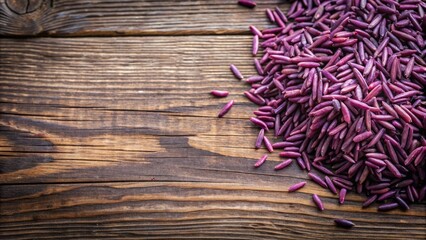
[114, 109]
[135, 114]
[189, 210]
[131, 17]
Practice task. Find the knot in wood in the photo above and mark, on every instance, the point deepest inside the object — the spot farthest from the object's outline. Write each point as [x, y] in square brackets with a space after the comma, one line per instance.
[22, 7]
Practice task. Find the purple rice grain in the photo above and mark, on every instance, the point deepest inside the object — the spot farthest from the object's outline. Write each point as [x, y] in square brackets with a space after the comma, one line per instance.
[386, 195]
[283, 164]
[288, 154]
[317, 180]
[362, 136]
[343, 223]
[296, 186]
[259, 139]
[369, 201]
[330, 185]
[226, 108]
[268, 144]
[259, 123]
[247, 3]
[318, 202]
[255, 48]
[236, 72]
[402, 203]
[387, 207]
[220, 94]
[270, 15]
[342, 195]
[255, 31]
[301, 163]
[261, 161]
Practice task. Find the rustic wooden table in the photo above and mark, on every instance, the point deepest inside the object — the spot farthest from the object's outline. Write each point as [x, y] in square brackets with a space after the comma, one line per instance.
[107, 130]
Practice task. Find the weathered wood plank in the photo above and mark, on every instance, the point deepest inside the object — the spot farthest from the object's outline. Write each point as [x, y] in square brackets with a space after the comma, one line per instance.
[124, 109]
[130, 17]
[180, 210]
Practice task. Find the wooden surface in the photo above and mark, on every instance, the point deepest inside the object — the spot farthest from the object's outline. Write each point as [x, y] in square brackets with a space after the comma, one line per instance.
[110, 136]
[131, 17]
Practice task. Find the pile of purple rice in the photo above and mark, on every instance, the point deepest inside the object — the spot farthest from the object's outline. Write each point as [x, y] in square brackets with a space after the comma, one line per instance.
[341, 85]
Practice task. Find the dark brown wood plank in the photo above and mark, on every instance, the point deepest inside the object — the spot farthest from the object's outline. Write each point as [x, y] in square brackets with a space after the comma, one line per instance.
[130, 17]
[182, 210]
